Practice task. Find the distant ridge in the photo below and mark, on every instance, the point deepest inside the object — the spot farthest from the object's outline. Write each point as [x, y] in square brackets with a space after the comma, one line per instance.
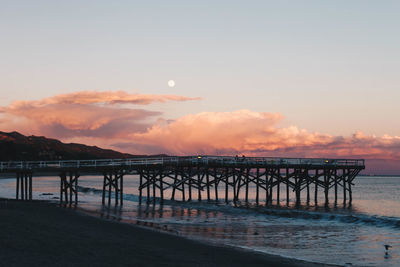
[15, 146]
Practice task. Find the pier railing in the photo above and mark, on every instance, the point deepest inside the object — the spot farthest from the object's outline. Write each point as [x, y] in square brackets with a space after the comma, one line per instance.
[168, 161]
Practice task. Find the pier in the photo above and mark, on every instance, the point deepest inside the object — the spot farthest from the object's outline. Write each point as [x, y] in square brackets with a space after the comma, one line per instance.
[199, 178]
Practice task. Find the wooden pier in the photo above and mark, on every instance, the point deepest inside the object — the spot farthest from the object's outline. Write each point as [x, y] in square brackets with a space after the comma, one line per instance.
[200, 178]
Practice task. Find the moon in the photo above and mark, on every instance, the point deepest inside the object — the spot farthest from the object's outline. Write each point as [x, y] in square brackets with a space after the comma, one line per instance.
[171, 83]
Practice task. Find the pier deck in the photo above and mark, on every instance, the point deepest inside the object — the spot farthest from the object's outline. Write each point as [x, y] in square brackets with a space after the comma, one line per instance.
[196, 174]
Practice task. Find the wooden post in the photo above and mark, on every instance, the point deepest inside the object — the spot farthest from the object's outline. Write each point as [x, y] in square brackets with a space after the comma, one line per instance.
[296, 181]
[174, 186]
[267, 184]
[121, 195]
[247, 184]
[316, 187]
[226, 185]
[183, 185]
[70, 188]
[76, 188]
[190, 184]
[344, 187]
[140, 186]
[30, 186]
[287, 186]
[22, 187]
[278, 188]
[208, 184]
[216, 182]
[61, 187]
[350, 193]
[103, 196]
[154, 179]
[198, 184]
[238, 184]
[109, 176]
[116, 177]
[335, 186]
[270, 184]
[17, 186]
[308, 188]
[66, 189]
[26, 185]
[326, 182]
[234, 183]
[161, 189]
[257, 185]
[148, 186]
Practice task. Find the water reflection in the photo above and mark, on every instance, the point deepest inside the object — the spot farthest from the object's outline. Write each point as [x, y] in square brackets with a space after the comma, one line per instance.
[333, 234]
[325, 241]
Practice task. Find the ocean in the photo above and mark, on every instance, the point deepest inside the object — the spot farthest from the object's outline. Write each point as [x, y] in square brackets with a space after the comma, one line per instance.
[345, 235]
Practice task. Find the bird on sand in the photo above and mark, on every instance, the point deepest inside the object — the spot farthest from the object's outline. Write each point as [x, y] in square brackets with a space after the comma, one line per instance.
[387, 247]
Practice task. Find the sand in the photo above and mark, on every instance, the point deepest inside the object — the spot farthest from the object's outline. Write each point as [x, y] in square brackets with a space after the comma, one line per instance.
[43, 234]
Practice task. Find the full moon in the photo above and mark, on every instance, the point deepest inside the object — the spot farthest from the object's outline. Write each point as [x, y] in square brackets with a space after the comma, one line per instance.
[171, 83]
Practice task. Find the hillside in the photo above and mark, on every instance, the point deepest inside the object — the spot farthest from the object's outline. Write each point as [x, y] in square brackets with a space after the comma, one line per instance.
[15, 146]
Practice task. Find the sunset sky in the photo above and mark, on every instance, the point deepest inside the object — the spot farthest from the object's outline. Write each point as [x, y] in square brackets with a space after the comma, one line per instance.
[265, 78]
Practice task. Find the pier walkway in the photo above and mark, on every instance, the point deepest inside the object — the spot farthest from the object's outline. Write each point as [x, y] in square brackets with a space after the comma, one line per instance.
[192, 175]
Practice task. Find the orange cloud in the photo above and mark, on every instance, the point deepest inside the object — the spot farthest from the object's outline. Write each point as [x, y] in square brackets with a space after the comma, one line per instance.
[92, 118]
[86, 113]
[96, 97]
[254, 133]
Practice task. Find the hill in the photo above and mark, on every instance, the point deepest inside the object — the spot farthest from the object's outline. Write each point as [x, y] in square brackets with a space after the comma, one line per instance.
[15, 146]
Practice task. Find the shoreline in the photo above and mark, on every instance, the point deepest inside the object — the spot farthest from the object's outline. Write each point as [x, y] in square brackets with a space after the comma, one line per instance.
[42, 233]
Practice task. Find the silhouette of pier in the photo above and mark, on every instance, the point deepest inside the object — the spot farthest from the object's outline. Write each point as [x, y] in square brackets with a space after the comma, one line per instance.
[191, 176]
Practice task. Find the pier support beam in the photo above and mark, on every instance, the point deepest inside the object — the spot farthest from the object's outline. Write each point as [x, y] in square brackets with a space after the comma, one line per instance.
[287, 186]
[268, 185]
[216, 182]
[208, 185]
[271, 184]
[247, 184]
[278, 189]
[336, 185]
[266, 176]
[316, 181]
[24, 185]
[69, 187]
[344, 187]
[140, 187]
[327, 176]
[113, 179]
[257, 185]
[308, 189]
[350, 194]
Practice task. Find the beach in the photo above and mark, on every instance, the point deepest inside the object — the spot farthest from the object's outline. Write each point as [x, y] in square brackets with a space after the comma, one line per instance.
[40, 233]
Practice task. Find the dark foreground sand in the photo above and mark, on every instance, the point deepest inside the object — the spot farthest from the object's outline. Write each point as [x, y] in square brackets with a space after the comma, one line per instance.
[43, 234]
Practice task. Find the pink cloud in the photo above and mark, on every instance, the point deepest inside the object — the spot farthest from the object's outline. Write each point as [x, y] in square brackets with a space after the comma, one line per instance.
[92, 118]
[255, 133]
[87, 113]
[97, 97]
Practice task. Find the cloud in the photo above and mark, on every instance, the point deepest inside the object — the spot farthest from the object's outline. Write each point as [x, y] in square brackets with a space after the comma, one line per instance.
[86, 113]
[259, 134]
[104, 97]
[104, 119]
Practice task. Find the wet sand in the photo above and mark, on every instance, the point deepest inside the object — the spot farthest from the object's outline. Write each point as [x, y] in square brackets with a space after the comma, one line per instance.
[43, 234]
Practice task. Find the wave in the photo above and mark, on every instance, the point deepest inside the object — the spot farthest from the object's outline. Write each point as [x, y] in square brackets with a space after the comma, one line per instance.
[352, 218]
[355, 218]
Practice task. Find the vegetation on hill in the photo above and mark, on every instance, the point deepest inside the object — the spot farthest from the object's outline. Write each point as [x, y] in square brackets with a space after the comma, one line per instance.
[15, 146]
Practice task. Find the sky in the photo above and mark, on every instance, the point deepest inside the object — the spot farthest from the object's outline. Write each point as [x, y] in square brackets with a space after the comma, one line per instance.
[284, 78]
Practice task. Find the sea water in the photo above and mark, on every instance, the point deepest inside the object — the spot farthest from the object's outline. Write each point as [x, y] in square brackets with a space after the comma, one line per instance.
[338, 234]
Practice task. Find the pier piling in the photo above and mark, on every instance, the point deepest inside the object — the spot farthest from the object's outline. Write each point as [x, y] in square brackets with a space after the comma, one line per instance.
[185, 174]
[113, 179]
[69, 187]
